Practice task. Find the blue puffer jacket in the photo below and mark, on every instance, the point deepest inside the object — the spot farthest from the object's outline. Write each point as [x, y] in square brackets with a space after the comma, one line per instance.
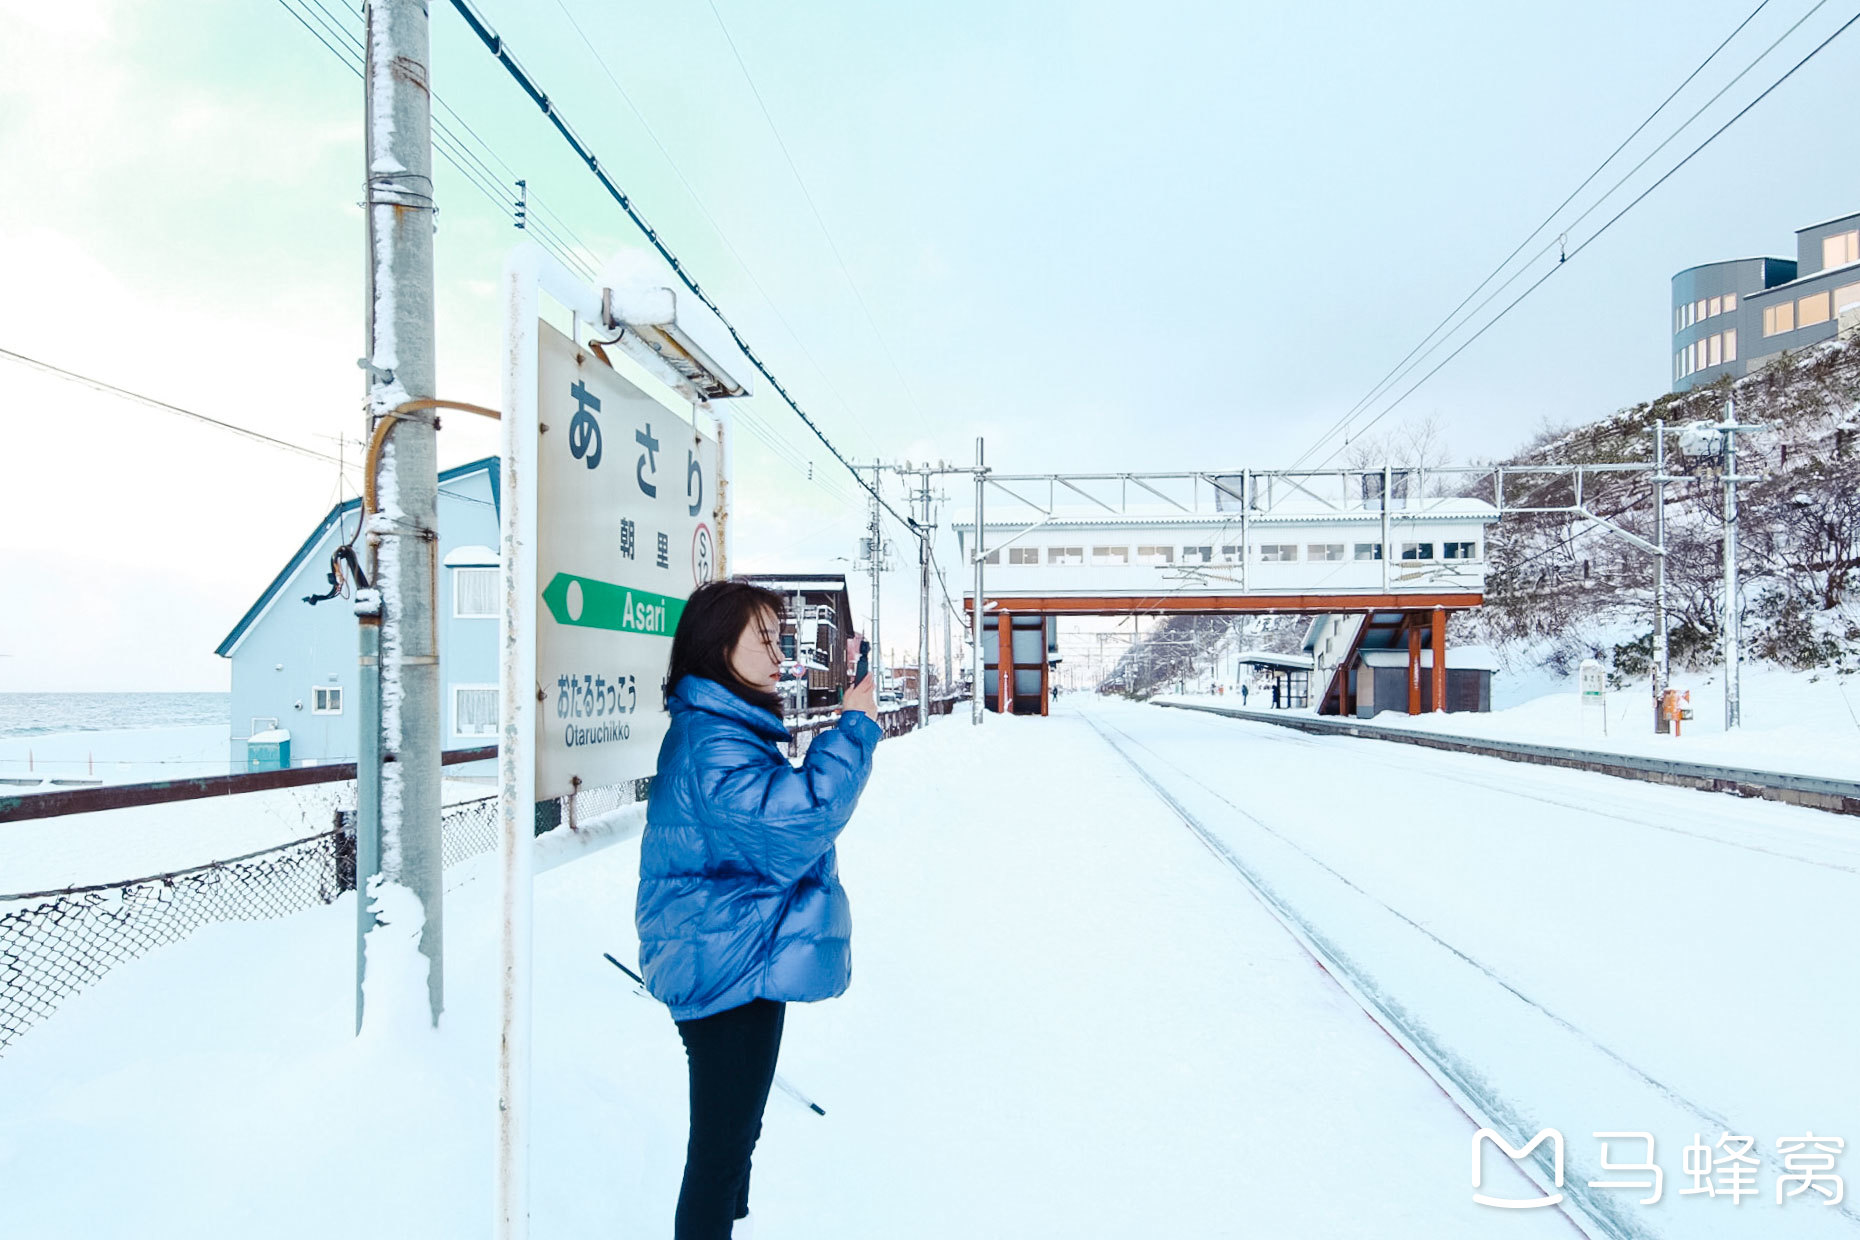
[739, 894]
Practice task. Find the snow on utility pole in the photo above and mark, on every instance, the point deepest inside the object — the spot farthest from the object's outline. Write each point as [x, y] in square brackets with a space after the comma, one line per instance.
[1661, 672]
[977, 704]
[399, 798]
[923, 605]
[1733, 706]
[877, 554]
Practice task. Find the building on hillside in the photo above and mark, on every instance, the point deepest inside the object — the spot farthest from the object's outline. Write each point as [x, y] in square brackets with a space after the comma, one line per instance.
[1731, 317]
[815, 624]
[294, 663]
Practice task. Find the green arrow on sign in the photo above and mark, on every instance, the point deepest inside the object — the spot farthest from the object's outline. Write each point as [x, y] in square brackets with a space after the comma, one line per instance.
[590, 604]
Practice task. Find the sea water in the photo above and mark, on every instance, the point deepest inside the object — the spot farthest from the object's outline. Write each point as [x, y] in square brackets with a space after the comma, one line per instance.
[43, 714]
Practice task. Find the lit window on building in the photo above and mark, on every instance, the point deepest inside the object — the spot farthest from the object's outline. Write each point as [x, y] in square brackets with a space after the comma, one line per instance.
[1417, 551]
[1716, 353]
[1846, 298]
[1811, 310]
[1023, 555]
[1278, 553]
[1779, 318]
[1717, 305]
[1730, 345]
[1730, 302]
[1698, 309]
[1840, 249]
[1155, 555]
[1368, 551]
[1110, 555]
[1065, 555]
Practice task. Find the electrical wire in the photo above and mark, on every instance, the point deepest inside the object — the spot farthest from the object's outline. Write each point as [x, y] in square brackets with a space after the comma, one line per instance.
[814, 207]
[710, 219]
[1594, 236]
[499, 49]
[164, 406]
[1396, 371]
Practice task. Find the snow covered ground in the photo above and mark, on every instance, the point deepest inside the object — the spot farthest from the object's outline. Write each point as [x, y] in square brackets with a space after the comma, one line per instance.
[114, 756]
[1804, 723]
[1068, 1019]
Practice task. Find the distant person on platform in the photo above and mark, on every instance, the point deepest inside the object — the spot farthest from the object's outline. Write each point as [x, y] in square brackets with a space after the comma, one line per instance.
[1275, 695]
[1243, 693]
[740, 906]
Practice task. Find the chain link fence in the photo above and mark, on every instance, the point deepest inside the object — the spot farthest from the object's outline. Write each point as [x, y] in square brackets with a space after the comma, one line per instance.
[55, 943]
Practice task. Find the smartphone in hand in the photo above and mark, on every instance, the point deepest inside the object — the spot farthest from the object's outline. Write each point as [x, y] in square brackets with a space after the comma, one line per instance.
[864, 667]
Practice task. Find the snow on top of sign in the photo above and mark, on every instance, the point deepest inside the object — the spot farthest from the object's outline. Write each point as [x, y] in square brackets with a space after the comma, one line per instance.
[646, 292]
[270, 736]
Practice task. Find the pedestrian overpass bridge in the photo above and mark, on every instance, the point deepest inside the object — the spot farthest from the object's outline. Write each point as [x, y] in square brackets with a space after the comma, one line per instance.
[1386, 563]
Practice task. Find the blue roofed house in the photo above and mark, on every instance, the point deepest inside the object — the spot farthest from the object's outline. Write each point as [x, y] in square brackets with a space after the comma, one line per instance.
[294, 664]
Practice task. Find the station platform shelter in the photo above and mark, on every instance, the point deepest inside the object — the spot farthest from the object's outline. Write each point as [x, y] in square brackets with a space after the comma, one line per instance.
[1381, 572]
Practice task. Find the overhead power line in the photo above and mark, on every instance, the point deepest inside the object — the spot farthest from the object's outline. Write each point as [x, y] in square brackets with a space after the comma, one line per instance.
[1437, 337]
[704, 210]
[815, 208]
[1592, 237]
[499, 49]
[1395, 371]
[111, 389]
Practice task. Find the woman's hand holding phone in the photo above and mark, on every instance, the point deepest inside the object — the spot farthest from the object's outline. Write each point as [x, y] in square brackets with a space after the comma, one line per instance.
[864, 695]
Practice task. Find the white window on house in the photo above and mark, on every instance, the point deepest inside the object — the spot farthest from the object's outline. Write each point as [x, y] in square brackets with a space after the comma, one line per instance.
[1417, 551]
[1198, 555]
[474, 710]
[1840, 249]
[1779, 318]
[1232, 553]
[1155, 555]
[1023, 555]
[474, 593]
[1065, 555]
[1324, 551]
[1278, 553]
[1459, 550]
[1811, 310]
[1846, 298]
[1368, 551]
[1110, 555]
[325, 700]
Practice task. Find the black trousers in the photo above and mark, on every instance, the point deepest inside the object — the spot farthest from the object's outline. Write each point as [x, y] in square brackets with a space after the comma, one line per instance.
[732, 1059]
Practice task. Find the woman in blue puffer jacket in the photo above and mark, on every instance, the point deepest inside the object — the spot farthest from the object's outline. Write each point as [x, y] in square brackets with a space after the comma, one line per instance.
[740, 906]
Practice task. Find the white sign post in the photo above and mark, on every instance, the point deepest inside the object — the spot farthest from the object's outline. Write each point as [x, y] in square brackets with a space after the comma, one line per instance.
[1593, 681]
[613, 509]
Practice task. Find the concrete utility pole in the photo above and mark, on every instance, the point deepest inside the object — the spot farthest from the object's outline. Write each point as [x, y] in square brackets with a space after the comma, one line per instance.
[1661, 671]
[923, 604]
[398, 784]
[877, 536]
[1733, 622]
[977, 703]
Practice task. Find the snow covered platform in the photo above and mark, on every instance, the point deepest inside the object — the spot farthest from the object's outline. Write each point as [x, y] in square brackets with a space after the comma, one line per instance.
[1068, 1018]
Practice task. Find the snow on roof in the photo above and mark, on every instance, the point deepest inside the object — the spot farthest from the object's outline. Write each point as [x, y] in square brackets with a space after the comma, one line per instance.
[1273, 658]
[473, 556]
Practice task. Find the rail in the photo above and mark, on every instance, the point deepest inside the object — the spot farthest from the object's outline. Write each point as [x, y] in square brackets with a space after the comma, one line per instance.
[1838, 796]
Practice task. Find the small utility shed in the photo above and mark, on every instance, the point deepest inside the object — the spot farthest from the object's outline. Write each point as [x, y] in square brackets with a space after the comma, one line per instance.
[1382, 680]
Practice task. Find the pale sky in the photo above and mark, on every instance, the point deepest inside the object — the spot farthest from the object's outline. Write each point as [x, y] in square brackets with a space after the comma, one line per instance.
[1104, 236]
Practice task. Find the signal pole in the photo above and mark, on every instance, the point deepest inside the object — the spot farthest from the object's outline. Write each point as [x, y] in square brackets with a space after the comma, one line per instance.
[923, 603]
[398, 789]
[877, 557]
[1733, 621]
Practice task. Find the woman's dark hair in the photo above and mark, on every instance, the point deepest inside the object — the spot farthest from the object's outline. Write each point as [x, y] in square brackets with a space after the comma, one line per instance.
[716, 615]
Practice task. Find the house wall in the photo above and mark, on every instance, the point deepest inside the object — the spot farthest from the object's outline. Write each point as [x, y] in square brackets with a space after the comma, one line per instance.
[292, 647]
